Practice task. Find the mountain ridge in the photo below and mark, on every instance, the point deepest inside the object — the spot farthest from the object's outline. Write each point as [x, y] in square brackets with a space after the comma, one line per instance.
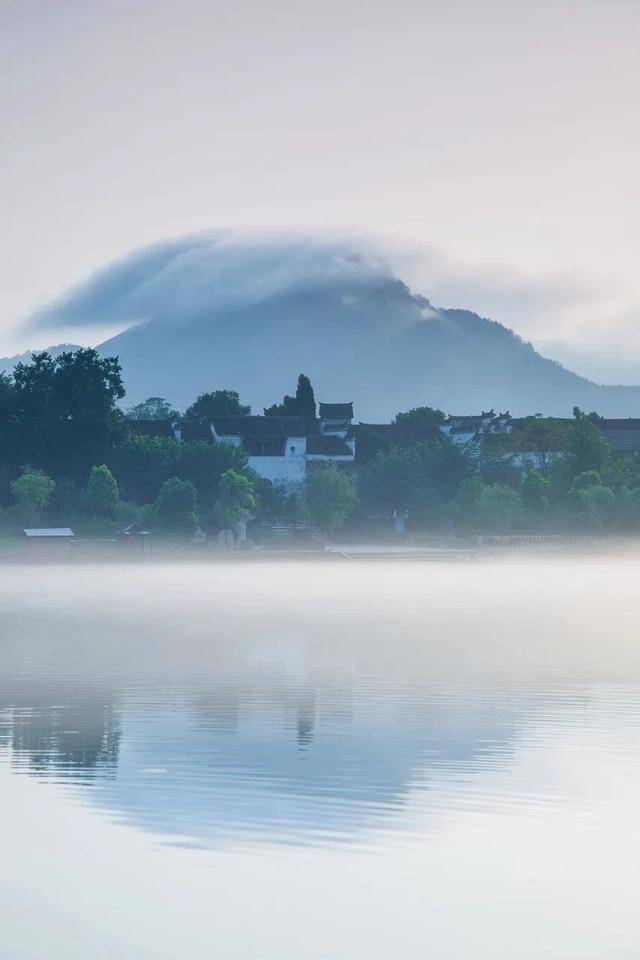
[8, 363]
[379, 345]
[224, 311]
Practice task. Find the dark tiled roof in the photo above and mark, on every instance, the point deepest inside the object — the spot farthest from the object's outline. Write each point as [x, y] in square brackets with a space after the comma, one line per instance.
[628, 423]
[328, 446]
[623, 435]
[336, 411]
[372, 438]
[150, 428]
[396, 433]
[259, 427]
[466, 423]
[554, 421]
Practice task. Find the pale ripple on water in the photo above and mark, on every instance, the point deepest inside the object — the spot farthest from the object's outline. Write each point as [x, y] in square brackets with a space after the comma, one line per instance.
[243, 760]
[475, 730]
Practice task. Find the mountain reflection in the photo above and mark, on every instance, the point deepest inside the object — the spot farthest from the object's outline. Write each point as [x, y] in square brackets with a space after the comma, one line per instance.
[229, 758]
[220, 704]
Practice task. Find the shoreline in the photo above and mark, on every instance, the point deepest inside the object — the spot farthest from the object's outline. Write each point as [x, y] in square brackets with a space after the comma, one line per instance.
[483, 549]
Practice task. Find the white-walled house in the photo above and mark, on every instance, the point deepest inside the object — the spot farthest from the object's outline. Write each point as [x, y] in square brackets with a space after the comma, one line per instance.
[277, 446]
[335, 449]
[280, 448]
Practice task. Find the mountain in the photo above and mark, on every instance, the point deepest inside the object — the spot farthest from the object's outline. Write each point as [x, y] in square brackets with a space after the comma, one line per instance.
[375, 344]
[8, 363]
[217, 311]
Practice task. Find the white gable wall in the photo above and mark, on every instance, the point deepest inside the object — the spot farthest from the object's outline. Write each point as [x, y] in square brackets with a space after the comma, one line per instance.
[289, 471]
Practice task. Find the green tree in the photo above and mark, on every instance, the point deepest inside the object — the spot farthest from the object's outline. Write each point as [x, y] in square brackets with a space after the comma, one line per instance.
[221, 403]
[544, 437]
[205, 463]
[302, 405]
[494, 459]
[236, 499]
[465, 502]
[416, 479]
[584, 480]
[65, 413]
[419, 417]
[32, 493]
[330, 497]
[101, 492]
[7, 407]
[498, 508]
[627, 509]
[396, 480]
[487, 507]
[67, 507]
[142, 464]
[534, 490]
[598, 505]
[288, 408]
[174, 509]
[621, 472]
[9, 463]
[273, 502]
[153, 408]
[595, 501]
[306, 401]
[586, 447]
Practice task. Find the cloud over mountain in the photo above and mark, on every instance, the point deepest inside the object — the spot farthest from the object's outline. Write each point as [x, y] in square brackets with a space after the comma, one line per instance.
[252, 312]
[216, 272]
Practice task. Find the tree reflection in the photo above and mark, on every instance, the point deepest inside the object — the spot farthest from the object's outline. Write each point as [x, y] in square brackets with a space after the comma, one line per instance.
[58, 728]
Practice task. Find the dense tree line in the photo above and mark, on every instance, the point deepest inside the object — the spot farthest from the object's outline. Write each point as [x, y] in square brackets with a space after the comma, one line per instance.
[69, 456]
[546, 475]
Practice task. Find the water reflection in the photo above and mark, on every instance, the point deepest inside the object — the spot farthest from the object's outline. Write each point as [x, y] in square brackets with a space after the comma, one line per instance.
[218, 747]
[219, 711]
[59, 729]
[287, 760]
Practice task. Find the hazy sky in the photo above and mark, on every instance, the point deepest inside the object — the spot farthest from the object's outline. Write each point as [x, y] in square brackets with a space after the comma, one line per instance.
[505, 135]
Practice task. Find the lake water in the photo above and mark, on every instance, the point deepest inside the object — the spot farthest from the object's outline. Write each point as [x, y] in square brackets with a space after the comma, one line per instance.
[322, 760]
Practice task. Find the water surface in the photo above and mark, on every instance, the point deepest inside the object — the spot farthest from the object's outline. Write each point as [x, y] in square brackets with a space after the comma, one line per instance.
[344, 759]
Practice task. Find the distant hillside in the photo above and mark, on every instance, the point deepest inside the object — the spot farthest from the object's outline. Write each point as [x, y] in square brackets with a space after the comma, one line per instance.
[377, 345]
[8, 363]
[199, 313]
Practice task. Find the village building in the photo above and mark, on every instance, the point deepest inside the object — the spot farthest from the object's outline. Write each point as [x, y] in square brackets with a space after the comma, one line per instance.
[374, 438]
[463, 429]
[623, 435]
[331, 447]
[280, 448]
[277, 446]
[169, 429]
[44, 542]
[48, 534]
[335, 418]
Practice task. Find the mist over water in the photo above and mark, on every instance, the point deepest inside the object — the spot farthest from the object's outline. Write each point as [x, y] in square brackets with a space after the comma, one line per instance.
[356, 759]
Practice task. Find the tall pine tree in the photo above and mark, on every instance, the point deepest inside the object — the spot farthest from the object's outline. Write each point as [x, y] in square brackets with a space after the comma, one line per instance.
[306, 403]
[302, 405]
